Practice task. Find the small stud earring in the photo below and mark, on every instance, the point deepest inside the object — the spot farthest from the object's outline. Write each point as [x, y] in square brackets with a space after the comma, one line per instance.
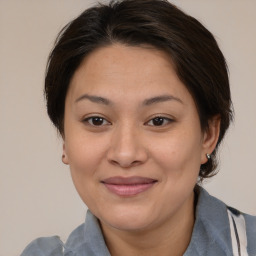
[208, 156]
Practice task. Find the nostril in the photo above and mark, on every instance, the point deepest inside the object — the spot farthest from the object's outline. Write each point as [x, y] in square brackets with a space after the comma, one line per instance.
[126, 155]
[113, 162]
[125, 164]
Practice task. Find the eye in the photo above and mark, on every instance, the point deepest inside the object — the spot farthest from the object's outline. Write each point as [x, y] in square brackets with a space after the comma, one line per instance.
[96, 121]
[159, 121]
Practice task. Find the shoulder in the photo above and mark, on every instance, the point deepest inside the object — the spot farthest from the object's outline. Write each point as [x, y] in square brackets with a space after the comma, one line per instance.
[250, 227]
[44, 246]
[86, 239]
[243, 227]
[53, 246]
[227, 224]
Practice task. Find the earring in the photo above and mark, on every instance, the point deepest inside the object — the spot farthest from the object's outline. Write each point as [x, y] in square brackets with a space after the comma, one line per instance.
[208, 156]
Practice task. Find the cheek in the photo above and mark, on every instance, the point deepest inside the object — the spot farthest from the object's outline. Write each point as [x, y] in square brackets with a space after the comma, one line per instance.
[85, 158]
[85, 155]
[179, 153]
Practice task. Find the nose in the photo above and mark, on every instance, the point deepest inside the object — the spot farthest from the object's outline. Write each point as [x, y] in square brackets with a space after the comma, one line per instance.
[127, 148]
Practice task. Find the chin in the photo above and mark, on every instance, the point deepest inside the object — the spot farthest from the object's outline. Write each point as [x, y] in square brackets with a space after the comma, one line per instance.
[129, 224]
[127, 219]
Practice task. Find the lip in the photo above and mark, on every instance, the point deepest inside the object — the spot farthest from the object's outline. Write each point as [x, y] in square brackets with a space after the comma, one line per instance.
[128, 186]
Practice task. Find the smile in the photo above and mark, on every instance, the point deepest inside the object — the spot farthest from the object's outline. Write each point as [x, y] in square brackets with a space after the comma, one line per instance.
[128, 186]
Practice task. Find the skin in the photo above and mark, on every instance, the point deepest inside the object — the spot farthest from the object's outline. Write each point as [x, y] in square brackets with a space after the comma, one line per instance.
[129, 142]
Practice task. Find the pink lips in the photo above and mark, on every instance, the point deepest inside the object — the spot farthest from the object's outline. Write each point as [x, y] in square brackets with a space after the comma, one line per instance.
[128, 186]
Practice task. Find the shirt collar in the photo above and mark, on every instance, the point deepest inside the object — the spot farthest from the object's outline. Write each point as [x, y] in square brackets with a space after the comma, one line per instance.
[211, 229]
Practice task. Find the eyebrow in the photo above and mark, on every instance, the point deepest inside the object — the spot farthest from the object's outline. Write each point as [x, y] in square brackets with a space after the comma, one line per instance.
[95, 99]
[146, 102]
[161, 98]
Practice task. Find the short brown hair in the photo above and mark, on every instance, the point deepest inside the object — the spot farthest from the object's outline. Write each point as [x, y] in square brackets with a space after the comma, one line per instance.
[194, 51]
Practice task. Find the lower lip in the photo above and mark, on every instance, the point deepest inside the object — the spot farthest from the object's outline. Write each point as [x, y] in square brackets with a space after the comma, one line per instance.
[128, 190]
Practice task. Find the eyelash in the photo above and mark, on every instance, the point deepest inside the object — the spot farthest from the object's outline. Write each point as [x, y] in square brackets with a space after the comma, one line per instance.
[87, 120]
[169, 120]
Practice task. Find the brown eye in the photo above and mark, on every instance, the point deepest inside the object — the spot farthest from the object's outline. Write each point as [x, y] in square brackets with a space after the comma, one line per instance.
[96, 121]
[159, 121]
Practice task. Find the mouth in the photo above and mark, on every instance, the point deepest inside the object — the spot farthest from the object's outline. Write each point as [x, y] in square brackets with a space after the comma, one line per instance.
[128, 186]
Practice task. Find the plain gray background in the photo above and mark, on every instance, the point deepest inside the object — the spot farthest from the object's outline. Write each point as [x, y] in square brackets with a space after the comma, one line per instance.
[37, 197]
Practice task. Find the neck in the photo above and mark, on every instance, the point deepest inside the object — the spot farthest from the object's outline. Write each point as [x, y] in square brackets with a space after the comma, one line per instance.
[170, 237]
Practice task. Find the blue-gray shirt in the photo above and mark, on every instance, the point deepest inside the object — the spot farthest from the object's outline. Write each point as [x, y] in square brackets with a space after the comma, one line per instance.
[212, 234]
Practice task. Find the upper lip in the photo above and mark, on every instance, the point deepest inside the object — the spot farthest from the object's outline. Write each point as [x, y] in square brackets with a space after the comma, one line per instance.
[117, 180]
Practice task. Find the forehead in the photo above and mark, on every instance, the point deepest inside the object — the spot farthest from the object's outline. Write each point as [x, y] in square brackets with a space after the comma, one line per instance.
[119, 70]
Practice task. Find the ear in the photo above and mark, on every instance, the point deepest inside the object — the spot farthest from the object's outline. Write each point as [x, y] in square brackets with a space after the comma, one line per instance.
[210, 137]
[64, 155]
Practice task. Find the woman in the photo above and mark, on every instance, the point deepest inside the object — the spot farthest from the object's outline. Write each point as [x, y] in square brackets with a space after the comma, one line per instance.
[139, 92]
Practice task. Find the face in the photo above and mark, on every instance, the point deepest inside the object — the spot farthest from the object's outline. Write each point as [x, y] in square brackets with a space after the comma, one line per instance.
[132, 137]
